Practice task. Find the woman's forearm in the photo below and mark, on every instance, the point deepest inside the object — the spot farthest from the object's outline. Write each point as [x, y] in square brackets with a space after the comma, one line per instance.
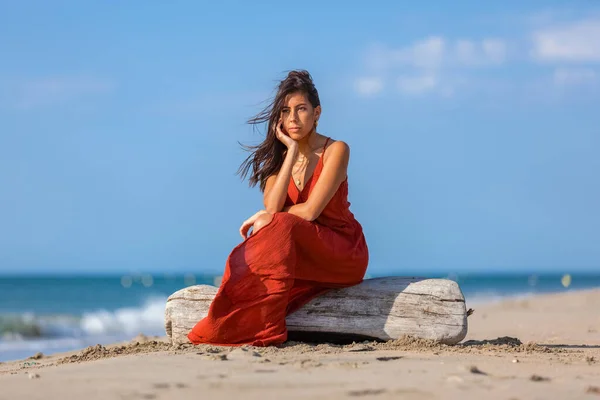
[275, 198]
[301, 210]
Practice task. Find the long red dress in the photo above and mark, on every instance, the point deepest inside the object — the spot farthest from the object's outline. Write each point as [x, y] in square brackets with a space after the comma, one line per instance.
[282, 267]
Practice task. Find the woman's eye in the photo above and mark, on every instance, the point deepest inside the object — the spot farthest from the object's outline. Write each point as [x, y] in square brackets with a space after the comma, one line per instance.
[285, 111]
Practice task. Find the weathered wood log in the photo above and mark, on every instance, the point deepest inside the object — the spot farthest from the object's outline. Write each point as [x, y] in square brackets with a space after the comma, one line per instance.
[380, 308]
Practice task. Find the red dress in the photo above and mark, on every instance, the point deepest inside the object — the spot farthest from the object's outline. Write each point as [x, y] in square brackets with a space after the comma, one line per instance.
[282, 267]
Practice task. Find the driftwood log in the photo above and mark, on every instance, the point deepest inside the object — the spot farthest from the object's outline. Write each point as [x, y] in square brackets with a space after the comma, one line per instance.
[380, 308]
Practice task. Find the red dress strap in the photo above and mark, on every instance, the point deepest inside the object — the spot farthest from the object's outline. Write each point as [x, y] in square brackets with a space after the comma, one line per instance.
[324, 148]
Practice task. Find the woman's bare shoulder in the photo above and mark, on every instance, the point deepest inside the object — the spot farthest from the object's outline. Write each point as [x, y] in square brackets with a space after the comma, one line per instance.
[337, 149]
[337, 146]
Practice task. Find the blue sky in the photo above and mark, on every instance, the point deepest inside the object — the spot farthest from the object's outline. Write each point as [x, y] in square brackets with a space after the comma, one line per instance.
[474, 129]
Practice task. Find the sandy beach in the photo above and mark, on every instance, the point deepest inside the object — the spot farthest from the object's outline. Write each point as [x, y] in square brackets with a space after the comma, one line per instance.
[543, 347]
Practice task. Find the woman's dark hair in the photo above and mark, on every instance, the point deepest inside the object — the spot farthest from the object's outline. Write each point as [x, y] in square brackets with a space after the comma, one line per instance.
[266, 158]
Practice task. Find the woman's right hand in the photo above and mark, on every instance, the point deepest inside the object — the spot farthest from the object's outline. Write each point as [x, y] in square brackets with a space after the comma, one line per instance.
[283, 138]
[247, 224]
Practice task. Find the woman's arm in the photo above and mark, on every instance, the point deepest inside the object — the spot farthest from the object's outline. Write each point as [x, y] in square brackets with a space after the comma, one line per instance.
[333, 174]
[277, 185]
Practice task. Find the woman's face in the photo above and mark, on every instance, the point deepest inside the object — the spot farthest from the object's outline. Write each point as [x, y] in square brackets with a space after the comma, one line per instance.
[299, 116]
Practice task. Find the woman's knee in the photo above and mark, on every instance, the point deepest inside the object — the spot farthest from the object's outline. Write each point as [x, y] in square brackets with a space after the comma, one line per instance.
[262, 221]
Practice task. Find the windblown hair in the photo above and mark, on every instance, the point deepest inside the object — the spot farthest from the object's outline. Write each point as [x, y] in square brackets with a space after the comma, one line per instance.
[267, 158]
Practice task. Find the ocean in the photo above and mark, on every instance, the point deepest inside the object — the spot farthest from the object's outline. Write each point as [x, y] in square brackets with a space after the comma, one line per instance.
[52, 314]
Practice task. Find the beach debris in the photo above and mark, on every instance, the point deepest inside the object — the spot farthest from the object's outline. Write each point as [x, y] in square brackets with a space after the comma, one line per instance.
[165, 385]
[593, 390]
[366, 392]
[537, 378]
[388, 358]
[350, 364]
[590, 360]
[140, 338]
[358, 347]
[36, 356]
[29, 363]
[201, 348]
[474, 370]
[504, 340]
[218, 357]
[98, 351]
[310, 364]
[411, 343]
[510, 344]
[242, 353]
[161, 385]
[515, 361]
[33, 375]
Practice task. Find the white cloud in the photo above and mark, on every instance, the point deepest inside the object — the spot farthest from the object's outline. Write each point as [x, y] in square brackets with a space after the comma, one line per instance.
[426, 53]
[495, 50]
[574, 76]
[575, 42]
[435, 52]
[419, 67]
[369, 86]
[417, 84]
[473, 53]
[51, 91]
[440, 65]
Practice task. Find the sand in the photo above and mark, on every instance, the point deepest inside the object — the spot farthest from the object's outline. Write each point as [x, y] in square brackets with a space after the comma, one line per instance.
[545, 347]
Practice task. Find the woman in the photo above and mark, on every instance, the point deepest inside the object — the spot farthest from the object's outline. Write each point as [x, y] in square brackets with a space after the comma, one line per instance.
[305, 242]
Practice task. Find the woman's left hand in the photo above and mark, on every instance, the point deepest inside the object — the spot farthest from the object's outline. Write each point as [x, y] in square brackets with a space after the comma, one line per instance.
[247, 224]
[283, 137]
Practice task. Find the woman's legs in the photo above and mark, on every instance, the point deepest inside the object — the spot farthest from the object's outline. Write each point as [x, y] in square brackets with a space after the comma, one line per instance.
[262, 221]
[250, 306]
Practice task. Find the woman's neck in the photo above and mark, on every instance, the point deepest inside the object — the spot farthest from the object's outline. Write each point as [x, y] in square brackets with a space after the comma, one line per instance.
[308, 144]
